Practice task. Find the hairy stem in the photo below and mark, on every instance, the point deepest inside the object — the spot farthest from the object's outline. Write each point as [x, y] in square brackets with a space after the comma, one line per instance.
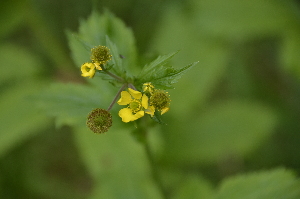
[120, 79]
[132, 86]
[116, 97]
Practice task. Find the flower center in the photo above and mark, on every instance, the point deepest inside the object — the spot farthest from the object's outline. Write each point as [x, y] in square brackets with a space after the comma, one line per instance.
[135, 105]
[87, 69]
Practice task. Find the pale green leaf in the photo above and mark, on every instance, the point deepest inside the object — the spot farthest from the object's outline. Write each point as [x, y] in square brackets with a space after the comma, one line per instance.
[71, 103]
[275, 184]
[193, 186]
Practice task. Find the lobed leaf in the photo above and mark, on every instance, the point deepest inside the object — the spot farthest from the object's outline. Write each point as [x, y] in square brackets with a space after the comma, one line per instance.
[70, 103]
[162, 75]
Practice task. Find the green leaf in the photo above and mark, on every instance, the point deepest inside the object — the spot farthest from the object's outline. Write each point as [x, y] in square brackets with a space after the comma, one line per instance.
[161, 61]
[70, 103]
[275, 184]
[193, 186]
[230, 128]
[116, 61]
[160, 74]
[94, 32]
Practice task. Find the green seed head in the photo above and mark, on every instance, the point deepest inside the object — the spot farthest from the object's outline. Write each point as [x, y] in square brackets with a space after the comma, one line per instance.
[100, 54]
[160, 99]
[99, 120]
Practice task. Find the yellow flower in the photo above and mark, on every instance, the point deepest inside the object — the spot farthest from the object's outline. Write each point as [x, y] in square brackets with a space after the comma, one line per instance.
[137, 105]
[97, 66]
[148, 88]
[89, 69]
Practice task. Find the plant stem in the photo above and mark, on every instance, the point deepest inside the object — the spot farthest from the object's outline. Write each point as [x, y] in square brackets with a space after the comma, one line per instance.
[114, 76]
[116, 97]
[132, 86]
[120, 79]
[154, 169]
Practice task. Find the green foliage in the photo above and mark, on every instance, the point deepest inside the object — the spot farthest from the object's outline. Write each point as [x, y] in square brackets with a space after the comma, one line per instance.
[106, 30]
[235, 113]
[276, 184]
[70, 103]
[160, 74]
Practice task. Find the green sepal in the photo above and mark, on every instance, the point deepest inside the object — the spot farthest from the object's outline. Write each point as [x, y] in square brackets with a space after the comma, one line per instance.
[160, 74]
[157, 118]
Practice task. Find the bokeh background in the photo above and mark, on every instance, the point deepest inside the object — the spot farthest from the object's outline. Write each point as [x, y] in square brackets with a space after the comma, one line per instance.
[236, 111]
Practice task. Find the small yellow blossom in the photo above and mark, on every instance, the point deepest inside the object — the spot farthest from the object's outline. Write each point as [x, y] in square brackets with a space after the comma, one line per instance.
[137, 105]
[148, 88]
[88, 70]
[97, 66]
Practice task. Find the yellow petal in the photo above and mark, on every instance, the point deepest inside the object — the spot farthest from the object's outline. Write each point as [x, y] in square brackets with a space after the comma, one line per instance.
[145, 101]
[150, 110]
[125, 98]
[164, 110]
[135, 94]
[97, 66]
[126, 115]
[138, 115]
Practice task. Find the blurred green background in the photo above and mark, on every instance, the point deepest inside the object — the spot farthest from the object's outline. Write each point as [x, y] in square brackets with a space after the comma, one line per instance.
[236, 111]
